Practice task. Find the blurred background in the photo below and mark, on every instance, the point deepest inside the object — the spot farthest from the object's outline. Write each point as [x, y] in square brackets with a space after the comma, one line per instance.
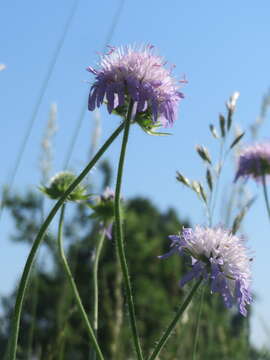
[219, 47]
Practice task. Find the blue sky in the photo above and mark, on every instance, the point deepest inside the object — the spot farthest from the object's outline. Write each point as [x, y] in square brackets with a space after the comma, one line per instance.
[220, 47]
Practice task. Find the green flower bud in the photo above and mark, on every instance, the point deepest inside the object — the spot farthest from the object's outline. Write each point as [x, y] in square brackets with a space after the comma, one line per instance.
[60, 183]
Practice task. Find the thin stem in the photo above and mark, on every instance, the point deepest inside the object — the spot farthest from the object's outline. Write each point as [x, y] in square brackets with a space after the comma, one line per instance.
[95, 282]
[265, 193]
[119, 236]
[35, 288]
[221, 163]
[73, 286]
[197, 331]
[39, 238]
[173, 323]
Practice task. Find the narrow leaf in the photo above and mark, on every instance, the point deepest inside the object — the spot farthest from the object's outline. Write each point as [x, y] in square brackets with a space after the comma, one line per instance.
[238, 219]
[202, 193]
[213, 131]
[229, 119]
[236, 140]
[204, 154]
[222, 125]
[196, 187]
[209, 179]
[182, 179]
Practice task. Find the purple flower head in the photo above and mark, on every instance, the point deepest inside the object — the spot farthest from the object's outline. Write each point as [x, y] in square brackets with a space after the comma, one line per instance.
[218, 257]
[135, 72]
[254, 161]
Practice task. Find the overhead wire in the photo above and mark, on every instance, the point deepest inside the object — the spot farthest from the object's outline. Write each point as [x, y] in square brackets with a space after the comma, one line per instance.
[11, 178]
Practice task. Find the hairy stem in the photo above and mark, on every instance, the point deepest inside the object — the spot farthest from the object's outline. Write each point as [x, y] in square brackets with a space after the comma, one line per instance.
[119, 236]
[95, 287]
[39, 238]
[73, 286]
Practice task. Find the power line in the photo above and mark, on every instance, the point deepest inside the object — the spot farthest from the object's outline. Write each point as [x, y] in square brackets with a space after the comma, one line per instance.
[13, 174]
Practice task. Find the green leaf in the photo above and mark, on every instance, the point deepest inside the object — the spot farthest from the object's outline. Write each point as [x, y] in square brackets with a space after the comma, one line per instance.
[182, 179]
[229, 119]
[202, 193]
[236, 140]
[204, 154]
[222, 125]
[213, 131]
[239, 218]
[209, 179]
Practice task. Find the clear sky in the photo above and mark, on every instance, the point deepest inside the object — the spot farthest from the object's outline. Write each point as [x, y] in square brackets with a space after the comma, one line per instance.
[220, 46]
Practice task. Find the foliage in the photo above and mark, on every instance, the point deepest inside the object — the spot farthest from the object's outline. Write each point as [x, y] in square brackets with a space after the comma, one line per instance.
[51, 325]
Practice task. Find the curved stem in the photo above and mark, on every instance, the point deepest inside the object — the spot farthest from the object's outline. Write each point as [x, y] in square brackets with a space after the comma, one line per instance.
[95, 281]
[73, 286]
[119, 236]
[196, 338]
[173, 323]
[265, 193]
[39, 238]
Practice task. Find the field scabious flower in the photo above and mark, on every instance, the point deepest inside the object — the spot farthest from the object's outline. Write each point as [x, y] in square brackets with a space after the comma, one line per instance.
[136, 73]
[218, 257]
[254, 161]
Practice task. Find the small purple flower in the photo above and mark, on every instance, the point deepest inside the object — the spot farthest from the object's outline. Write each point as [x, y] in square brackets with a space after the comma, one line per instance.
[254, 161]
[136, 73]
[218, 257]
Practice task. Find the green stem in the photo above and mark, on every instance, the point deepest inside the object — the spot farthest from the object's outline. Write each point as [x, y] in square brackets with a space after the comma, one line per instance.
[73, 286]
[95, 282]
[35, 289]
[173, 323]
[196, 338]
[119, 236]
[265, 193]
[39, 238]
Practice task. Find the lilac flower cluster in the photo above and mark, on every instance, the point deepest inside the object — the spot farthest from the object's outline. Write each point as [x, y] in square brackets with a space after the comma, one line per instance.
[136, 73]
[254, 161]
[220, 258]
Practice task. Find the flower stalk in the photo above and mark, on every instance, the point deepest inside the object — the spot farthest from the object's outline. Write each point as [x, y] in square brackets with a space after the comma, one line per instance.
[30, 260]
[73, 286]
[119, 236]
[95, 287]
[173, 323]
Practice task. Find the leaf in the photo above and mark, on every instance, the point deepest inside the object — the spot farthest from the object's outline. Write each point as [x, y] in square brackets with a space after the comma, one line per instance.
[229, 119]
[209, 179]
[238, 219]
[155, 133]
[195, 185]
[213, 131]
[204, 154]
[236, 140]
[202, 193]
[222, 125]
[182, 179]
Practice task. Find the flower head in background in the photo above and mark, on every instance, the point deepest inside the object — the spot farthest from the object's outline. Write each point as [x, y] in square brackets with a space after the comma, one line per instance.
[254, 161]
[218, 257]
[59, 184]
[139, 74]
[104, 211]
